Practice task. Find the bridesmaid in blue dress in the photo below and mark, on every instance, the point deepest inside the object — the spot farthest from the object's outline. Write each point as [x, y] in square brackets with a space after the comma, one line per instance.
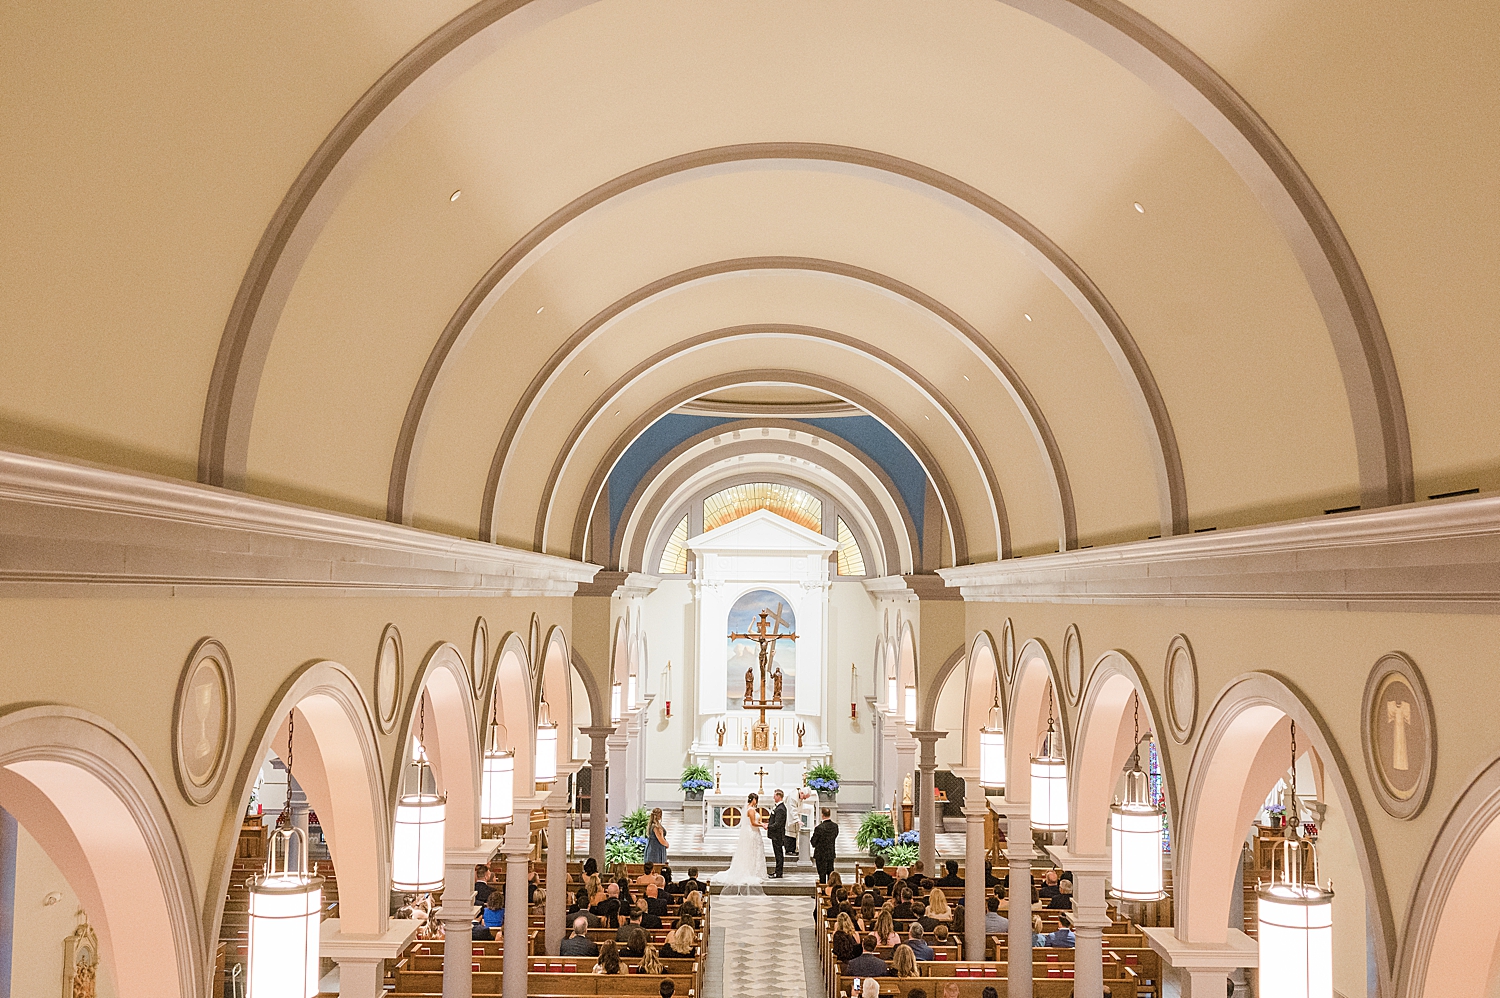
[656, 839]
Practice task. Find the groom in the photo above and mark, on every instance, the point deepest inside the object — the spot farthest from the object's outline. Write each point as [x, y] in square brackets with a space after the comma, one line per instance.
[776, 829]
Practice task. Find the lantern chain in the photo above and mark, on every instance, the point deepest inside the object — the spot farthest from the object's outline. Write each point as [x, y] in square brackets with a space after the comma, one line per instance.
[284, 819]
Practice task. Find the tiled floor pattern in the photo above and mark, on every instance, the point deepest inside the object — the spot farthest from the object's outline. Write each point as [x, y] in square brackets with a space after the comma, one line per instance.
[759, 949]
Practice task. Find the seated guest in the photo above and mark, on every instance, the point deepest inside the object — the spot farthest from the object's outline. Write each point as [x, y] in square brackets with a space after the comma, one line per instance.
[989, 993]
[594, 886]
[951, 878]
[692, 883]
[579, 943]
[940, 935]
[903, 908]
[885, 929]
[957, 924]
[918, 877]
[870, 986]
[691, 906]
[1038, 938]
[668, 989]
[533, 885]
[482, 883]
[609, 959]
[866, 921]
[838, 900]
[879, 878]
[648, 918]
[990, 880]
[937, 906]
[845, 939]
[656, 901]
[920, 915]
[627, 896]
[649, 877]
[1048, 889]
[493, 912]
[480, 931]
[867, 964]
[994, 921]
[917, 993]
[608, 909]
[917, 940]
[591, 866]
[665, 873]
[835, 882]
[650, 963]
[631, 938]
[903, 962]
[681, 944]
[1063, 937]
[1064, 899]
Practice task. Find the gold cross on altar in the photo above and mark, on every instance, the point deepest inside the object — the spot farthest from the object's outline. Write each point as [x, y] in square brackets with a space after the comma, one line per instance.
[761, 772]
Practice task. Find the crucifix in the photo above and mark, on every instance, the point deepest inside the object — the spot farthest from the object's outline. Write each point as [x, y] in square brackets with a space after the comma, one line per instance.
[764, 635]
[761, 772]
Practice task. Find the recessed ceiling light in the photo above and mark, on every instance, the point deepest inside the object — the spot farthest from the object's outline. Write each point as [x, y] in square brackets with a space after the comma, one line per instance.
[1027, 315]
[617, 412]
[454, 195]
[539, 311]
[586, 373]
[966, 377]
[1139, 208]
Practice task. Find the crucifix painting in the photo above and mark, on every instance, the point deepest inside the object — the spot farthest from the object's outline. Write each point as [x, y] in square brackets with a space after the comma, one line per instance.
[746, 680]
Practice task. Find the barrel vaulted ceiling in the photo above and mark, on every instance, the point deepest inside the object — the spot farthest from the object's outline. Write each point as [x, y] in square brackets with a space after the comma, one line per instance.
[1108, 271]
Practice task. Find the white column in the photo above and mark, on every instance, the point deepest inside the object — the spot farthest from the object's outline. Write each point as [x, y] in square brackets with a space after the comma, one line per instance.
[618, 780]
[557, 868]
[516, 849]
[927, 806]
[975, 810]
[1201, 970]
[457, 916]
[598, 760]
[1090, 917]
[361, 959]
[1019, 852]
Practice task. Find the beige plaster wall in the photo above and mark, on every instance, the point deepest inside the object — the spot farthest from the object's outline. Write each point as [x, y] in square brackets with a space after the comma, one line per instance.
[37, 944]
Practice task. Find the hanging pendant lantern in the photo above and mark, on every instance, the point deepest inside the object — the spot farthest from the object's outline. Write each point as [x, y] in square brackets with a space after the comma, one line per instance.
[497, 788]
[614, 703]
[992, 746]
[1295, 914]
[546, 745]
[286, 903]
[911, 706]
[891, 693]
[1049, 780]
[1136, 825]
[417, 840]
[632, 692]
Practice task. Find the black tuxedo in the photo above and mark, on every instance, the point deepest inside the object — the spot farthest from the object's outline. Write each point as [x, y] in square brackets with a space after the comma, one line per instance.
[776, 829]
[822, 840]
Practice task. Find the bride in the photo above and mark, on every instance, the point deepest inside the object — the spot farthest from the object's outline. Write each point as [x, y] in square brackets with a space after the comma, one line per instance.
[748, 867]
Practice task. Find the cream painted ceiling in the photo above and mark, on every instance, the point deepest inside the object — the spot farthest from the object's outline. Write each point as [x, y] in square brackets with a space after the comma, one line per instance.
[146, 153]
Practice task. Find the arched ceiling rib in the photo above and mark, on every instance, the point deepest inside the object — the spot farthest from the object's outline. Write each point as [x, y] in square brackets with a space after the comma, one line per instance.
[1192, 87]
[401, 472]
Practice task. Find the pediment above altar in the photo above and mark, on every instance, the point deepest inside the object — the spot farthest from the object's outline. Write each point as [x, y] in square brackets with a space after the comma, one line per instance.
[761, 532]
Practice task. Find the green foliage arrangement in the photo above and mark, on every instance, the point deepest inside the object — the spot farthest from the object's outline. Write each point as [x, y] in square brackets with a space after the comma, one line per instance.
[902, 855]
[876, 825]
[697, 778]
[823, 778]
[637, 822]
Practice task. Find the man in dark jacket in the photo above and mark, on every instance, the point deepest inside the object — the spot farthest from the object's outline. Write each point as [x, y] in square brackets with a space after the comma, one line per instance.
[776, 829]
[951, 879]
[823, 845]
[879, 878]
[579, 943]
[867, 964]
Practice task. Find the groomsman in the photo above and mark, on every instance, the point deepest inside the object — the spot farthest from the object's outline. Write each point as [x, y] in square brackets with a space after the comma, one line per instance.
[776, 829]
[822, 845]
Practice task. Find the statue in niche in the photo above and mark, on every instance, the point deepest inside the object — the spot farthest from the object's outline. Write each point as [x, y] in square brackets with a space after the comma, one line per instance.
[906, 790]
[801, 733]
[719, 730]
[776, 689]
[81, 961]
[749, 685]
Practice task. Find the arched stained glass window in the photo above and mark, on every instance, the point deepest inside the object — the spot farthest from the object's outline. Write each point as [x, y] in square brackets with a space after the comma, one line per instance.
[674, 555]
[802, 508]
[851, 559]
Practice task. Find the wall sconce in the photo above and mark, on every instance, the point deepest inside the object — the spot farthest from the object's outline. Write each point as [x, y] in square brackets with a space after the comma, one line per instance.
[666, 685]
[853, 692]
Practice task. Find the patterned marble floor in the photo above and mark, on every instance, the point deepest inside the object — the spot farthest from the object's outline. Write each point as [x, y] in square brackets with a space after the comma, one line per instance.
[759, 947]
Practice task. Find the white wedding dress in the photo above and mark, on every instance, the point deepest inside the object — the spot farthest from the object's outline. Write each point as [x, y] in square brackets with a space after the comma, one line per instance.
[747, 868]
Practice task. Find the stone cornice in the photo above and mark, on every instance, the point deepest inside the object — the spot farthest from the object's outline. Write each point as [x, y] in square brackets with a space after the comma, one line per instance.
[64, 527]
[1433, 557]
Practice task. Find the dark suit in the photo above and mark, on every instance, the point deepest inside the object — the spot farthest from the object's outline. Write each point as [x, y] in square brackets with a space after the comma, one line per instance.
[577, 946]
[822, 847]
[776, 829]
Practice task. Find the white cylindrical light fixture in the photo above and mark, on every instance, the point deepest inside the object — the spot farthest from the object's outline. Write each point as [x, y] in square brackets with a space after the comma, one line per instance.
[891, 693]
[546, 745]
[286, 904]
[417, 843]
[1049, 785]
[992, 749]
[497, 798]
[1295, 918]
[632, 691]
[615, 697]
[1135, 828]
[911, 706]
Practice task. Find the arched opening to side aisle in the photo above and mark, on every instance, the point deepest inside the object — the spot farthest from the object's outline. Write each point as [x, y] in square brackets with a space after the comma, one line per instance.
[1242, 759]
[87, 813]
[441, 717]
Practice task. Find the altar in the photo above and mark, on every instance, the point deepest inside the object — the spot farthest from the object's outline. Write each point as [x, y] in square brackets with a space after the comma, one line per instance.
[737, 772]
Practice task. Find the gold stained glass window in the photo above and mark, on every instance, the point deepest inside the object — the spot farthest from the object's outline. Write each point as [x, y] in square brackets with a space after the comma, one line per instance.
[851, 559]
[674, 555]
[800, 507]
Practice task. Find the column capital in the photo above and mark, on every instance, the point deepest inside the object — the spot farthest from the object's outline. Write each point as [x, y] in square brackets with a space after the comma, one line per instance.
[336, 946]
[598, 732]
[1065, 860]
[1237, 950]
[472, 857]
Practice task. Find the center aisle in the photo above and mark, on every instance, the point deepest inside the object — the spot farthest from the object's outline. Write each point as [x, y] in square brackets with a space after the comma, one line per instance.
[762, 946]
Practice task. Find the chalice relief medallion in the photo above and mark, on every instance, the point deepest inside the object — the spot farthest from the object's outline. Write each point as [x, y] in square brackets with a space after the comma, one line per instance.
[1400, 736]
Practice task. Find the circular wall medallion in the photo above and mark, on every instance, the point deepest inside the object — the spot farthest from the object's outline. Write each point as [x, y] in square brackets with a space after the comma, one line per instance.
[1073, 658]
[480, 659]
[1399, 735]
[1008, 667]
[388, 679]
[1182, 690]
[203, 722]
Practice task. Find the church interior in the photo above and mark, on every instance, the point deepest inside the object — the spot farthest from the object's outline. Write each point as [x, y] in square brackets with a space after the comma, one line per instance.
[459, 458]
